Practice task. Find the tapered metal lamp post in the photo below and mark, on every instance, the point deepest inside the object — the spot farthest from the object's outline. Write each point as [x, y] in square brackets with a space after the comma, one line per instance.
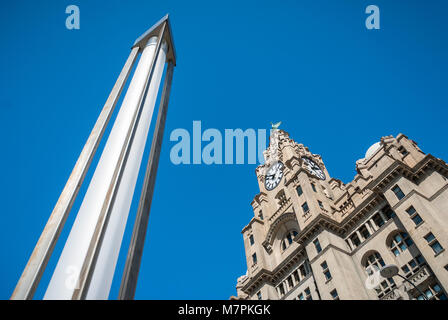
[86, 266]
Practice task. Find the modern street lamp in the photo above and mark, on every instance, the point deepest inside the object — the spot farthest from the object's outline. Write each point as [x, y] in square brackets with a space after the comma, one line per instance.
[390, 270]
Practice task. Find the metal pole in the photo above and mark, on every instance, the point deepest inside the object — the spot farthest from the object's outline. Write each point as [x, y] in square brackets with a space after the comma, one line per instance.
[88, 265]
[133, 260]
[38, 261]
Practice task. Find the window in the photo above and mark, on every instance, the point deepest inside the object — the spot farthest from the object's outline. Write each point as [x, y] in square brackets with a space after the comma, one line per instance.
[303, 271]
[300, 297]
[290, 282]
[313, 186]
[414, 215]
[433, 292]
[388, 212]
[420, 259]
[334, 294]
[365, 233]
[429, 293]
[281, 289]
[439, 293]
[305, 207]
[355, 240]
[433, 243]
[320, 204]
[317, 245]
[400, 242]
[308, 294]
[446, 267]
[406, 270]
[259, 295]
[288, 239]
[251, 239]
[378, 220]
[403, 151]
[385, 287]
[373, 262]
[326, 271]
[260, 215]
[398, 192]
[413, 266]
[254, 258]
[299, 190]
[295, 274]
[291, 235]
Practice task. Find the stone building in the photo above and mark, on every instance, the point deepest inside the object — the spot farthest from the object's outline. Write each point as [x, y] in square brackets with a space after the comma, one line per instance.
[314, 237]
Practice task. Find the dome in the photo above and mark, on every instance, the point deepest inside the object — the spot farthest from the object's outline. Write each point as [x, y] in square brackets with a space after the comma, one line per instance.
[372, 150]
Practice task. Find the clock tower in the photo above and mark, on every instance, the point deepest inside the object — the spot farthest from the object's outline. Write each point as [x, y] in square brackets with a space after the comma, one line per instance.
[294, 189]
[291, 173]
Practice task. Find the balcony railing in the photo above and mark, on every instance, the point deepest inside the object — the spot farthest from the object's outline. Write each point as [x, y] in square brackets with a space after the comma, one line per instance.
[420, 276]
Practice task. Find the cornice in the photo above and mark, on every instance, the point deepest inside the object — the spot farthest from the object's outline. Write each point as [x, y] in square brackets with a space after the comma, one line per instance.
[320, 222]
[328, 247]
[259, 198]
[414, 174]
[253, 220]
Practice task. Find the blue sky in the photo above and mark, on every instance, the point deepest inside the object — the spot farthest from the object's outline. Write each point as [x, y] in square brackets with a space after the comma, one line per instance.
[337, 87]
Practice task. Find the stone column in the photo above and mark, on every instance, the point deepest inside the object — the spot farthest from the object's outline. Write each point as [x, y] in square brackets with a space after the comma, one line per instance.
[373, 224]
[350, 243]
[369, 228]
[360, 236]
[383, 216]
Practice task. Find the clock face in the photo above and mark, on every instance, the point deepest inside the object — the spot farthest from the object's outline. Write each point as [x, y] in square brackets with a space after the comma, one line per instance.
[313, 168]
[273, 176]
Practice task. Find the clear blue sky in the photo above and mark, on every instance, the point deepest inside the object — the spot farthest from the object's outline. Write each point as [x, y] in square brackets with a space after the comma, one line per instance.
[336, 86]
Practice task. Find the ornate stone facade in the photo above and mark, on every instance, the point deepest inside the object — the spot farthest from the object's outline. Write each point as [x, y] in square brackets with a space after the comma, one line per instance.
[314, 237]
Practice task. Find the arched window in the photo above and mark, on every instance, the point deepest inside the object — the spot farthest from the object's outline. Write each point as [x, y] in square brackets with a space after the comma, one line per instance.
[287, 240]
[373, 262]
[399, 242]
